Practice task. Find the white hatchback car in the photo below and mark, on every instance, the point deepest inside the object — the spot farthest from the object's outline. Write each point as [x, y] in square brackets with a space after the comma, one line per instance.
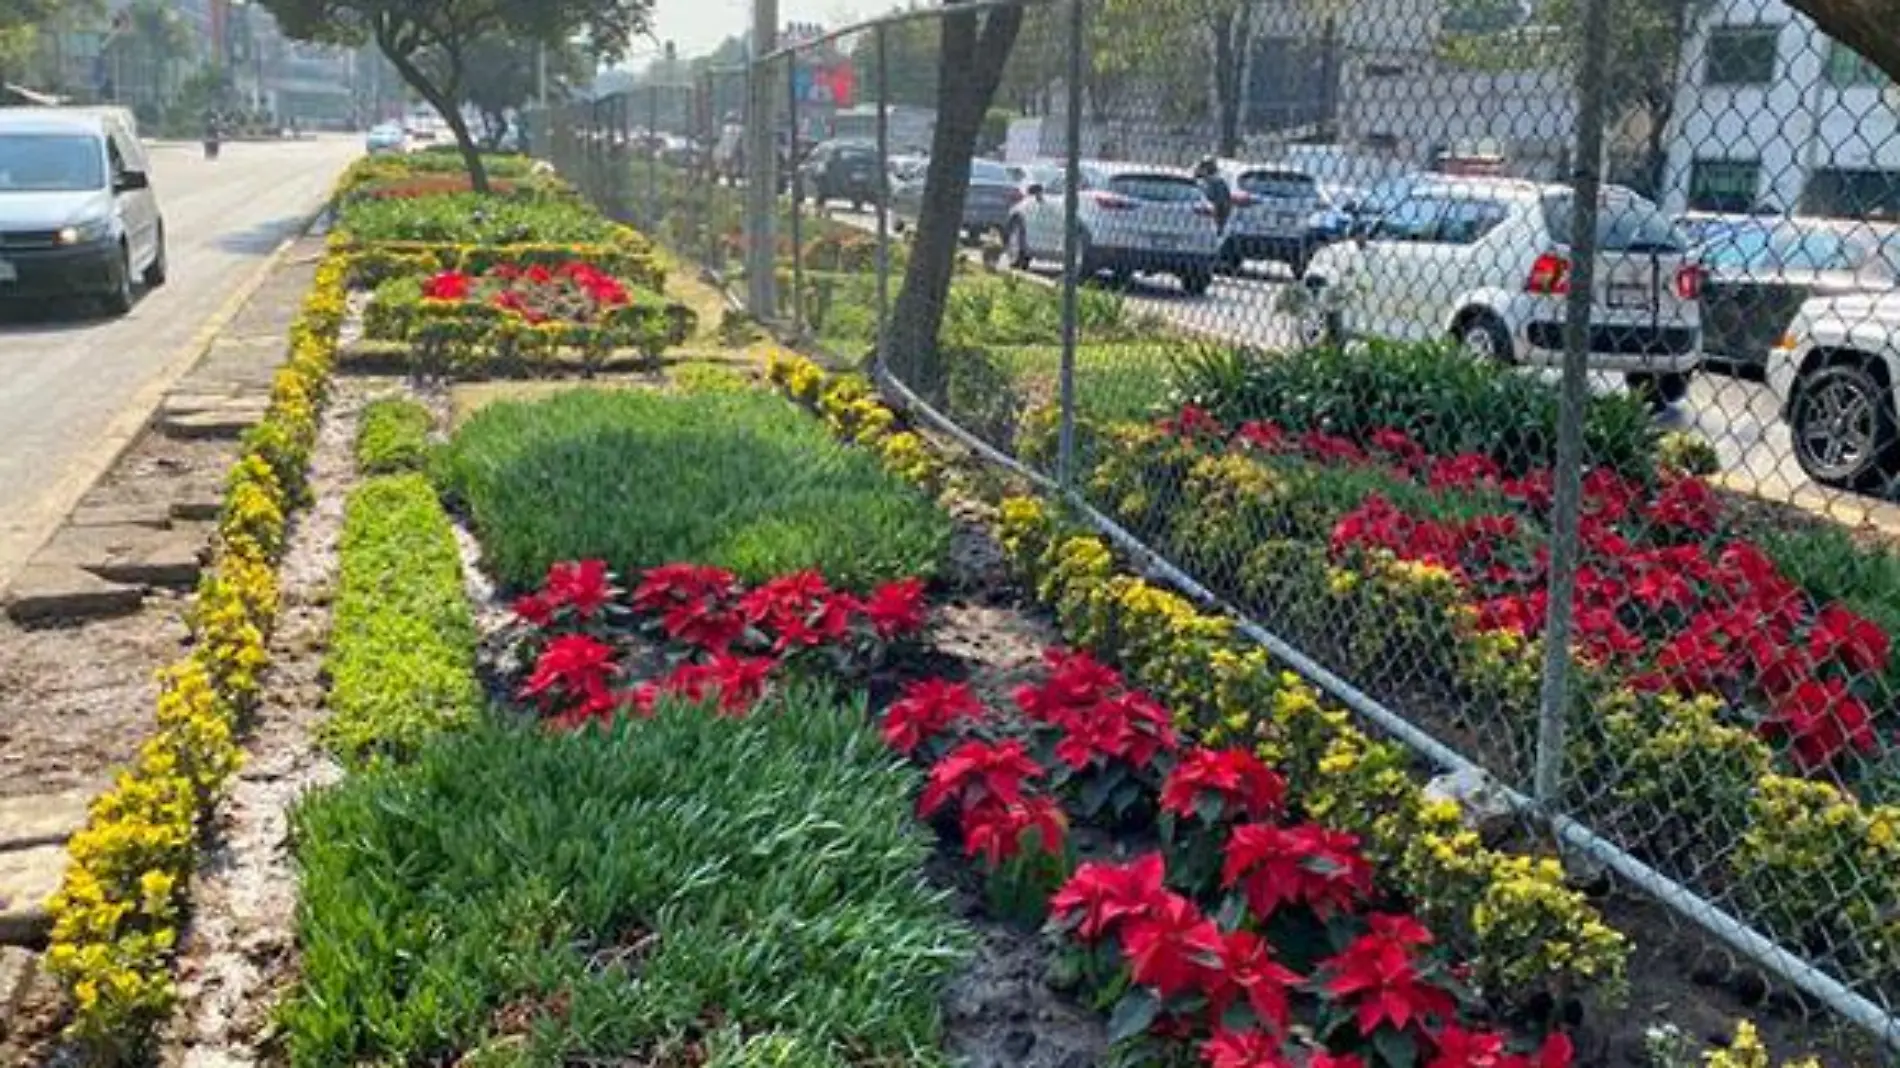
[1486, 262]
[1834, 372]
[1131, 218]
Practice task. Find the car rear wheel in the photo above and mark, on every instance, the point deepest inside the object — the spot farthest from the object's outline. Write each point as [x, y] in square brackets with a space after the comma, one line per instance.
[1484, 338]
[1842, 422]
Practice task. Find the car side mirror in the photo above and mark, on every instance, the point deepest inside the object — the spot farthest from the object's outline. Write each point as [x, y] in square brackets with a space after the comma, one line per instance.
[127, 181]
[1034, 189]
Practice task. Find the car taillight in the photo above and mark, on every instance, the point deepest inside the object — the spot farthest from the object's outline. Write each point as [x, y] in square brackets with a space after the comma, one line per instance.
[1016, 194]
[1689, 281]
[1549, 275]
[1242, 199]
[1114, 202]
[1204, 208]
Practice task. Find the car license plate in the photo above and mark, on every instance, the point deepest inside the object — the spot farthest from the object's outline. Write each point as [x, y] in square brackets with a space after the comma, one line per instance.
[1630, 295]
[8, 272]
[1164, 240]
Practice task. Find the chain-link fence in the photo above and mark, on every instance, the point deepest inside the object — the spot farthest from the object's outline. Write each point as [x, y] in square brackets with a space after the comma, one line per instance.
[1527, 372]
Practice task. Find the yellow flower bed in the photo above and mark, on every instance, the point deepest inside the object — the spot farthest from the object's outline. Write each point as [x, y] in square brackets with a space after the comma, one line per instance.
[116, 915]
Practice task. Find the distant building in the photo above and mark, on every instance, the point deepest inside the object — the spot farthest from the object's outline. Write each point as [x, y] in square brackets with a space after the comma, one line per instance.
[1773, 114]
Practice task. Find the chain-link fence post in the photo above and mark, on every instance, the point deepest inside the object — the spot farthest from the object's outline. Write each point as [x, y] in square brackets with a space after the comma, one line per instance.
[882, 48]
[761, 172]
[795, 185]
[654, 145]
[1072, 258]
[623, 157]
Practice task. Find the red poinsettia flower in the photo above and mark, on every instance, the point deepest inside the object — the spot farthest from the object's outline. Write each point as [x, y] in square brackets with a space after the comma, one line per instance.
[1244, 1049]
[1397, 445]
[448, 285]
[582, 585]
[1857, 642]
[994, 829]
[1660, 583]
[1249, 971]
[1172, 946]
[538, 274]
[1191, 421]
[1076, 681]
[1821, 720]
[1467, 470]
[1306, 864]
[1381, 976]
[800, 610]
[1459, 1048]
[668, 585]
[1608, 496]
[927, 708]
[1099, 896]
[1777, 666]
[1129, 727]
[1234, 776]
[571, 664]
[1687, 503]
[896, 608]
[1535, 489]
[1331, 448]
[596, 705]
[978, 771]
[534, 608]
[737, 682]
[1264, 436]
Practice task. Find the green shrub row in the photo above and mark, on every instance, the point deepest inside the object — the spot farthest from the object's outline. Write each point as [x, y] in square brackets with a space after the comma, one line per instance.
[523, 897]
[640, 479]
[402, 642]
[393, 437]
[470, 218]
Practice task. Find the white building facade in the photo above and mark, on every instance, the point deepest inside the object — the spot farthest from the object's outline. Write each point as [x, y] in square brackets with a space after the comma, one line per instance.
[1773, 115]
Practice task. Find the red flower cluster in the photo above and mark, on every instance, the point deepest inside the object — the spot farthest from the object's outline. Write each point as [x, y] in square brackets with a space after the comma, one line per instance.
[1301, 865]
[1222, 783]
[733, 638]
[926, 710]
[1100, 721]
[988, 784]
[573, 292]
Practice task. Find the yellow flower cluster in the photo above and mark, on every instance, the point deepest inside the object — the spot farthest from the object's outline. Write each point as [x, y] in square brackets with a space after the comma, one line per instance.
[1746, 1051]
[116, 913]
[1524, 929]
[851, 410]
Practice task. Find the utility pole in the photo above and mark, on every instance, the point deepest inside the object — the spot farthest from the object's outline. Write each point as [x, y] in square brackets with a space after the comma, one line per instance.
[761, 194]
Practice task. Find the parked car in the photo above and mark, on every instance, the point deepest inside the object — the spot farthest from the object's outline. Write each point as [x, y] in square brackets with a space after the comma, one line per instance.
[841, 170]
[1486, 262]
[1383, 196]
[1834, 371]
[1275, 216]
[1761, 270]
[77, 212]
[385, 138]
[1131, 218]
[985, 208]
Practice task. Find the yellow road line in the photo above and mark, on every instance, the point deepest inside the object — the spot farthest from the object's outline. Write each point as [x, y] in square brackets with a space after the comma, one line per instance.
[37, 522]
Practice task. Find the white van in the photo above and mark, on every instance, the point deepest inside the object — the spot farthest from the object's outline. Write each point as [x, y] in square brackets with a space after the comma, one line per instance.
[77, 213]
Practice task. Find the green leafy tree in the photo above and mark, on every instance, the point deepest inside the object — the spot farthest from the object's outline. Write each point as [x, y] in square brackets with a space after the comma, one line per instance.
[20, 23]
[157, 36]
[910, 57]
[432, 43]
[505, 75]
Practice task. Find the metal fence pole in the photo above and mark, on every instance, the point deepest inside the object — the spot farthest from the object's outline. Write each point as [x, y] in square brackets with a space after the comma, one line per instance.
[796, 186]
[653, 157]
[623, 157]
[761, 223]
[1573, 397]
[883, 200]
[1071, 252]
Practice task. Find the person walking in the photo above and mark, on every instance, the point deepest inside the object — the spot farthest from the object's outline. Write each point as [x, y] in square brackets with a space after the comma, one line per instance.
[1214, 187]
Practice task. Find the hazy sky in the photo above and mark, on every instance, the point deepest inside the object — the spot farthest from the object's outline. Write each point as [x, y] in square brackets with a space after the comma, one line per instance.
[697, 26]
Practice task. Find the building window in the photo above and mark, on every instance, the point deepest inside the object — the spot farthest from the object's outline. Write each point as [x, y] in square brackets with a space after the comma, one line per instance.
[1853, 194]
[1741, 55]
[1847, 68]
[1724, 185]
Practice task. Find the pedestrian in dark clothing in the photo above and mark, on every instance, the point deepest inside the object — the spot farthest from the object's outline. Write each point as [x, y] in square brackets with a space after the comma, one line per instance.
[1214, 187]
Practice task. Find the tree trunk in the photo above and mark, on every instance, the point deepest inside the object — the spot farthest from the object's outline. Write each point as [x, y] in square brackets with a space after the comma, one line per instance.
[1866, 26]
[1662, 106]
[1232, 32]
[445, 102]
[969, 72]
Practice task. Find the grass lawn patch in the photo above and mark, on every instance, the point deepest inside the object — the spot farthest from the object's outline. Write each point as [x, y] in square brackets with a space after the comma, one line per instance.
[402, 648]
[639, 479]
[552, 896]
[1113, 380]
[393, 436]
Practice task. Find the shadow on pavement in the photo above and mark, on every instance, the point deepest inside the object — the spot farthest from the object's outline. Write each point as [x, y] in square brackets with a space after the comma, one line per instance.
[262, 239]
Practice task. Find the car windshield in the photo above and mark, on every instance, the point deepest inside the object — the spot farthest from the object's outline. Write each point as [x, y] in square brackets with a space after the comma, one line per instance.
[50, 163]
[1164, 188]
[1625, 223]
[984, 171]
[1283, 185]
[1797, 248]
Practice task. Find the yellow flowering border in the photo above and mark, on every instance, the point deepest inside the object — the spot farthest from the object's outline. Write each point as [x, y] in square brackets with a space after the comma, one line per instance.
[116, 915]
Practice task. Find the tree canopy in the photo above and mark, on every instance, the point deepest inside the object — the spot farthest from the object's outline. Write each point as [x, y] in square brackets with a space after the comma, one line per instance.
[434, 44]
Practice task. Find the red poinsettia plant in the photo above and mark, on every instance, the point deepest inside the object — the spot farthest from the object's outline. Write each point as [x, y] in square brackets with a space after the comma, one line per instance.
[1111, 746]
[716, 640]
[1667, 596]
[573, 292]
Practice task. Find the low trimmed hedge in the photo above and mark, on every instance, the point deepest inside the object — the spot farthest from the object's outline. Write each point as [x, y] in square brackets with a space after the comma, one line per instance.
[402, 644]
[641, 479]
[623, 254]
[524, 896]
[474, 218]
[393, 437]
[464, 334]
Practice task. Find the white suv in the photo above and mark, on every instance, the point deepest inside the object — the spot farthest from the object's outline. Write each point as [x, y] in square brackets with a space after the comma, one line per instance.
[1131, 218]
[1834, 372]
[1486, 262]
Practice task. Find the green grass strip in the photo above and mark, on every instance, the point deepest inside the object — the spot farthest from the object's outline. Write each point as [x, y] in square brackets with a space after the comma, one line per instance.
[741, 480]
[402, 645]
[524, 897]
[393, 437]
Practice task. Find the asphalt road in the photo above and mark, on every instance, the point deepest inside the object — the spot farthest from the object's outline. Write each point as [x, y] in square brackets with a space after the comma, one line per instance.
[66, 373]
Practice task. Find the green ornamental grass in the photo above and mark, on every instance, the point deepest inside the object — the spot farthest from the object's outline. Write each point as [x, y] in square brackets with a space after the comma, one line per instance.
[525, 897]
[741, 480]
[393, 436]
